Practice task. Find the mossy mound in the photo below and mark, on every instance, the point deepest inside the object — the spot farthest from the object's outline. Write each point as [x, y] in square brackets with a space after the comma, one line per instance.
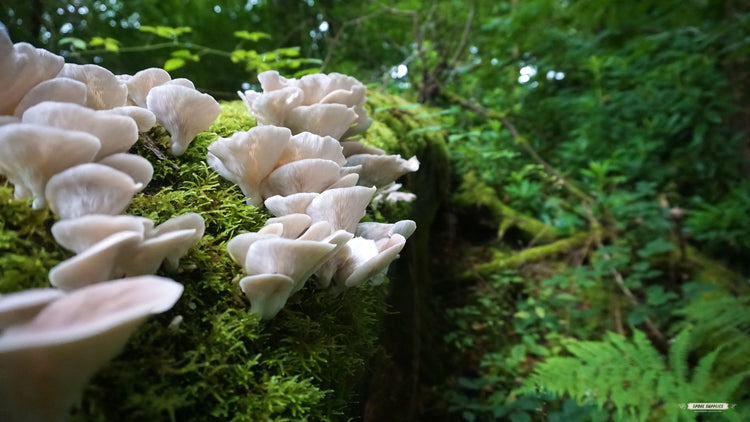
[209, 358]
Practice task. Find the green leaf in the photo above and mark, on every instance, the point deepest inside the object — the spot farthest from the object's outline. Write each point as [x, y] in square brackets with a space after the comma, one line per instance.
[74, 42]
[167, 32]
[251, 36]
[185, 54]
[109, 44]
[173, 63]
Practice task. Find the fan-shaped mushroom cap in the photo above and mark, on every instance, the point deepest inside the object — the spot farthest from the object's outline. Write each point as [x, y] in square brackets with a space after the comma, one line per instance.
[272, 108]
[308, 175]
[189, 221]
[90, 189]
[116, 133]
[141, 83]
[357, 147]
[297, 259]
[143, 118]
[184, 112]
[246, 158]
[23, 66]
[342, 207]
[104, 90]
[346, 181]
[47, 361]
[135, 166]
[30, 154]
[376, 231]
[240, 244]
[150, 253]
[267, 293]
[292, 224]
[56, 89]
[101, 262]
[368, 259]
[79, 234]
[309, 145]
[18, 307]
[296, 203]
[316, 231]
[324, 119]
[332, 262]
[380, 170]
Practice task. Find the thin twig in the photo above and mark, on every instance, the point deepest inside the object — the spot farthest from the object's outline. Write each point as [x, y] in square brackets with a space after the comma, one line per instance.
[149, 143]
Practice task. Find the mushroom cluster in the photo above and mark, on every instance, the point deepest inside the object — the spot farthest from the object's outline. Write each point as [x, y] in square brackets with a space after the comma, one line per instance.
[65, 130]
[317, 187]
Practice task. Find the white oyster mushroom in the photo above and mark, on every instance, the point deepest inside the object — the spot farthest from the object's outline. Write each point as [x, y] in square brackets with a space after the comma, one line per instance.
[246, 158]
[324, 119]
[46, 362]
[368, 260]
[18, 307]
[342, 207]
[56, 89]
[184, 112]
[79, 234]
[90, 189]
[240, 244]
[22, 67]
[144, 119]
[292, 225]
[135, 166]
[149, 254]
[267, 293]
[272, 108]
[292, 204]
[116, 133]
[105, 260]
[357, 147]
[31, 154]
[375, 231]
[309, 145]
[182, 224]
[297, 259]
[308, 175]
[104, 90]
[141, 83]
[346, 181]
[381, 170]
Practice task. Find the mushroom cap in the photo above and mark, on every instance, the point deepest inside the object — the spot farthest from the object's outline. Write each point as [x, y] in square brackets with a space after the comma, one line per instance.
[79, 234]
[380, 170]
[116, 133]
[342, 207]
[323, 119]
[101, 262]
[309, 145]
[188, 221]
[47, 361]
[184, 112]
[293, 225]
[21, 68]
[90, 189]
[141, 83]
[357, 147]
[246, 158]
[104, 89]
[376, 231]
[144, 119]
[272, 108]
[308, 175]
[297, 259]
[267, 293]
[368, 259]
[31, 154]
[138, 168]
[56, 89]
[152, 252]
[239, 245]
[291, 204]
[18, 307]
